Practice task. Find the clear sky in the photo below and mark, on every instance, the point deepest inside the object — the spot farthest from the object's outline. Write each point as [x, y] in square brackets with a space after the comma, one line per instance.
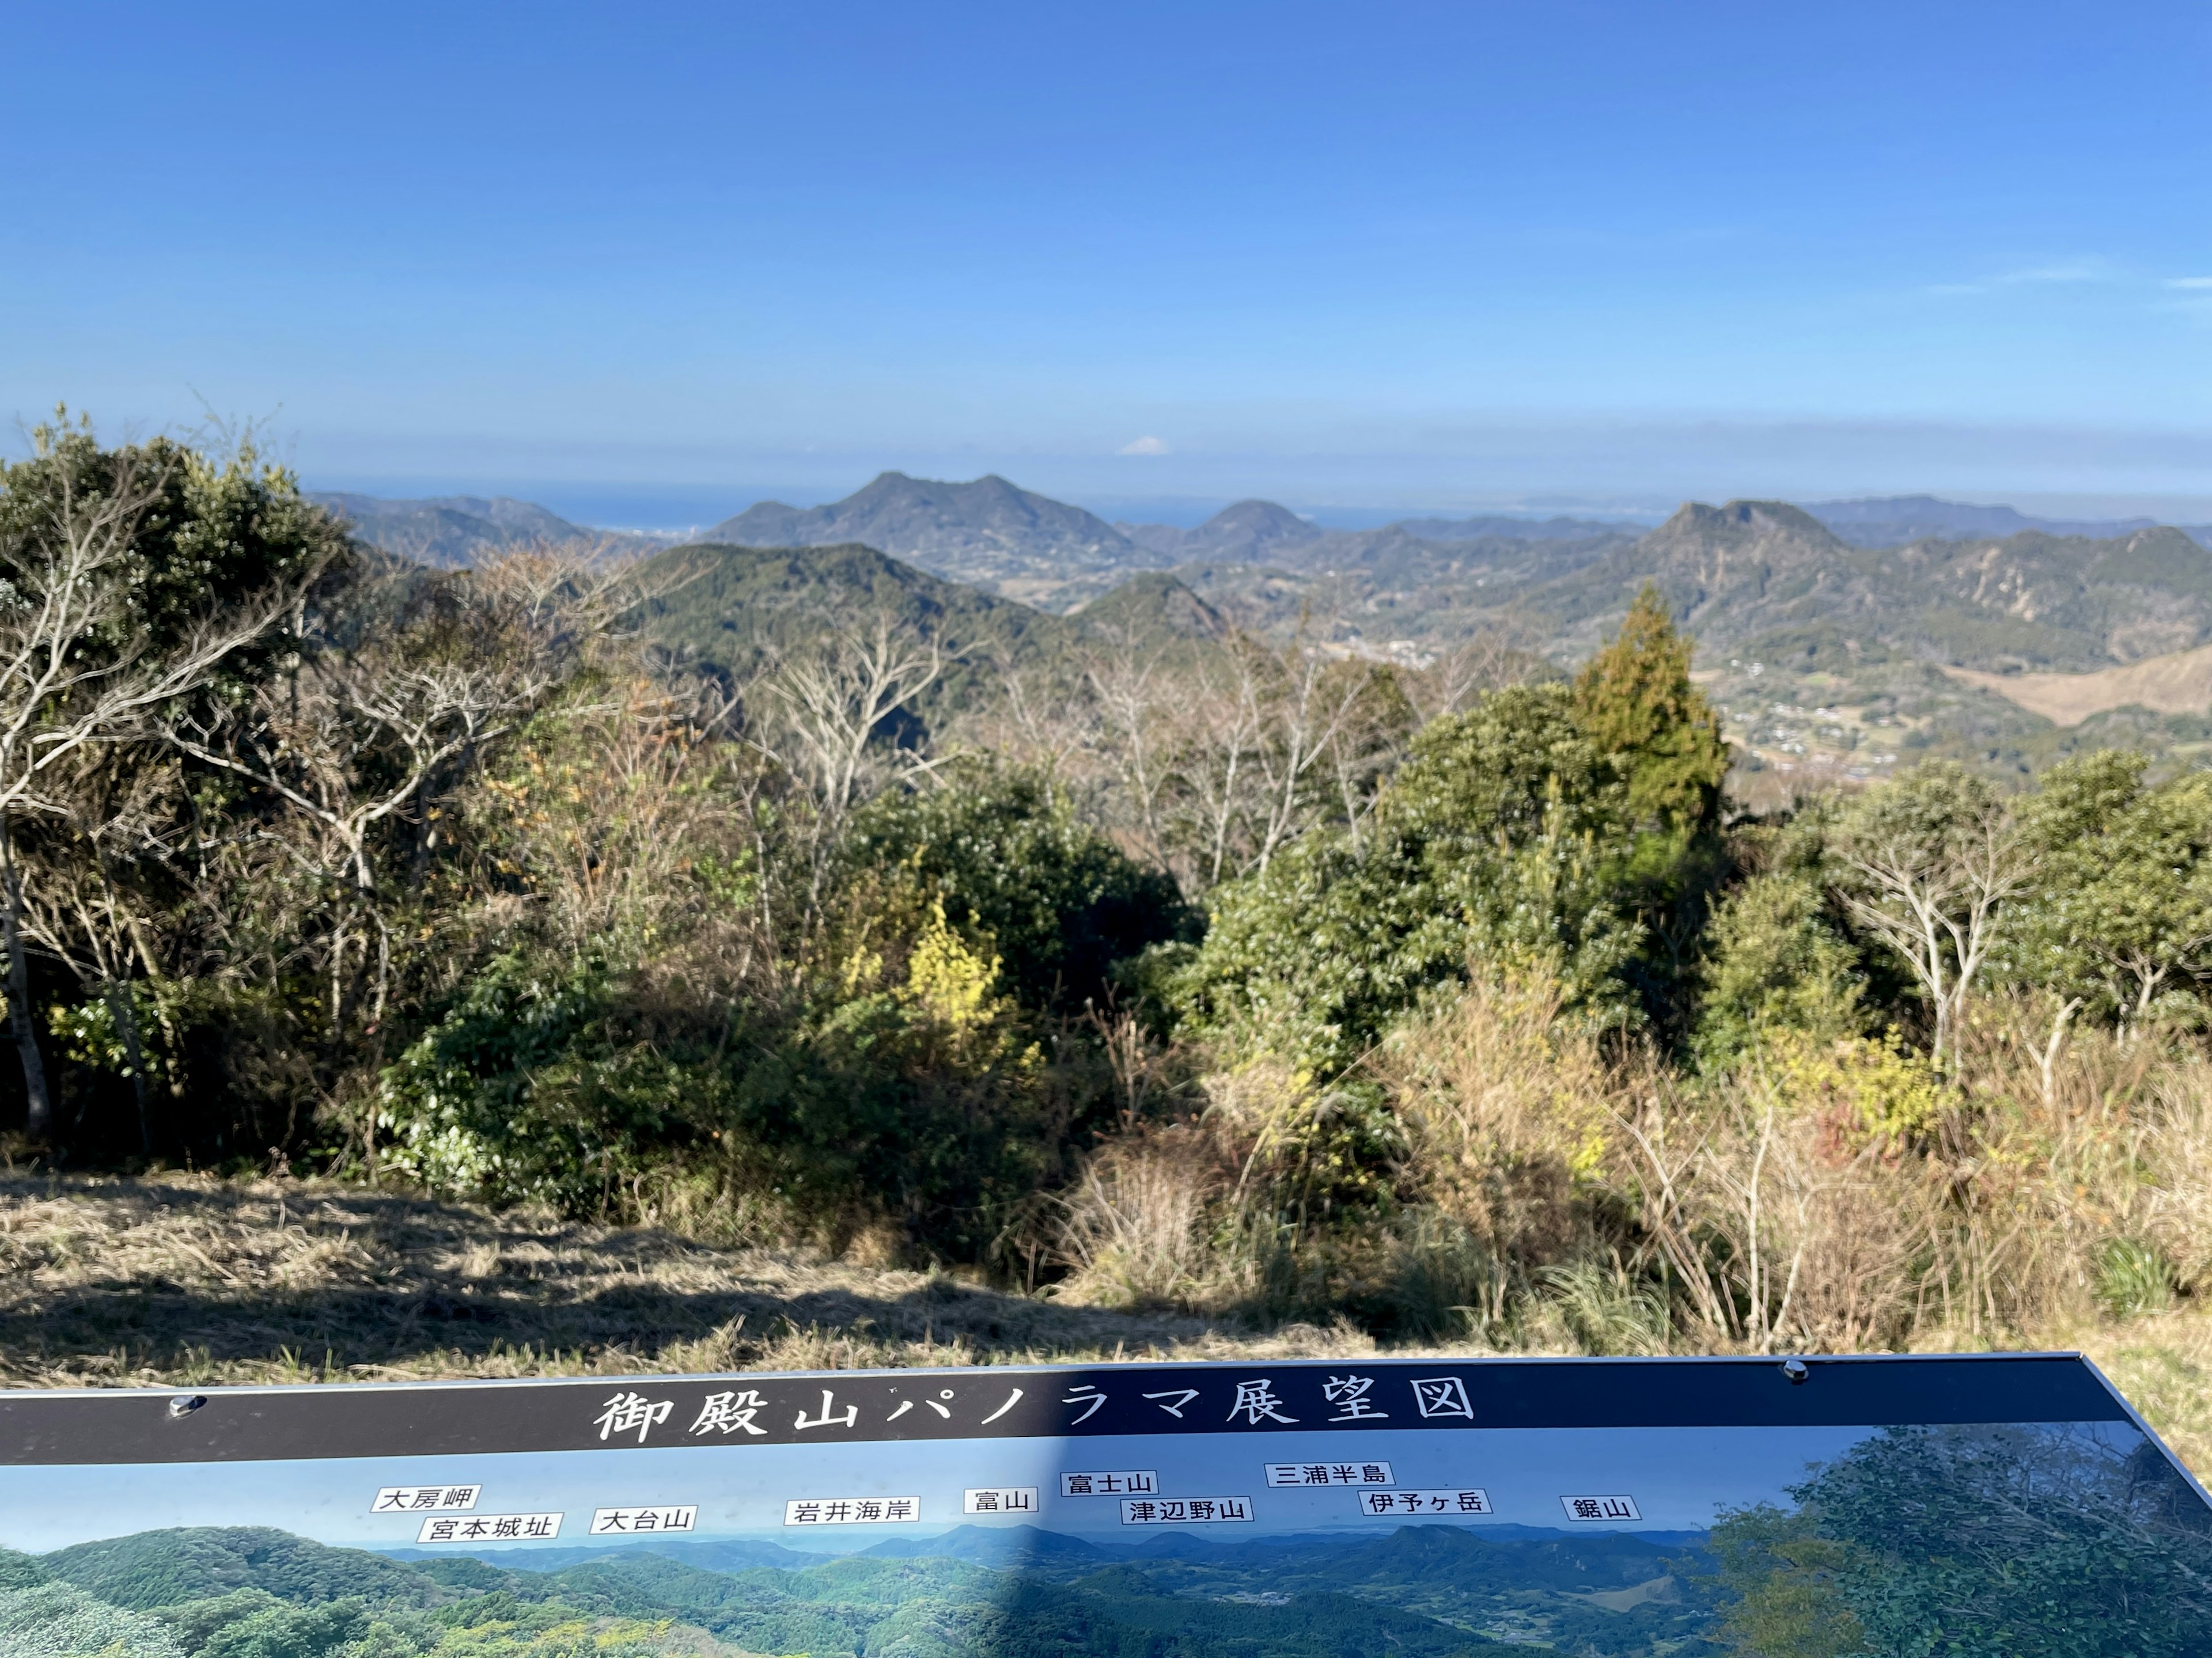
[662, 258]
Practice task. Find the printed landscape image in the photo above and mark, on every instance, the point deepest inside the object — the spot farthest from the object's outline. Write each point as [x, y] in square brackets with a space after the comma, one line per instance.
[2060, 1538]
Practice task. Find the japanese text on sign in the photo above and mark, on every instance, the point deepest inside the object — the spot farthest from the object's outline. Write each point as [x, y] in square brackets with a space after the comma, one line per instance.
[1442, 1395]
[1185, 1510]
[1328, 1473]
[1135, 1482]
[1000, 1499]
[730, 1413]
[648, 1519]
[628, 1412]
[1600, 1507]
[1436, 1503]
[425, 1499]
[490, 1529]
[851, 1511]
[1348, 1395]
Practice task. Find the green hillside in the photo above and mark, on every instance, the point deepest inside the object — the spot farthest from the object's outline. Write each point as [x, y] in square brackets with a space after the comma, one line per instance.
[736, 608]
[1428, 1592]
[164, 1568]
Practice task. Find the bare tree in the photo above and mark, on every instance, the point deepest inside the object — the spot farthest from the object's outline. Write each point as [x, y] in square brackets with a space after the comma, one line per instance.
[1037, 718]
[1218, 732]
[1133, 694]
[1935, 857]
[1311, 704]
[78, 670]
[1485, 661]
[833, 702]
[83, 907]
[366, 735]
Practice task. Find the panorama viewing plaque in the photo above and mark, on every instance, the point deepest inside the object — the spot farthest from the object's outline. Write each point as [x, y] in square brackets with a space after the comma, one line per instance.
[1674, 1508]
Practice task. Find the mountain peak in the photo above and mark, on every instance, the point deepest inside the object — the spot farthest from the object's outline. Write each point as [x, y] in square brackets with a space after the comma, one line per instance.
[1740, 523]
[987, 530]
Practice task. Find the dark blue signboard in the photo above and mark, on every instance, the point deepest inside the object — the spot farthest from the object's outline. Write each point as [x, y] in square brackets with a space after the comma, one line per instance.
[1810, 1509]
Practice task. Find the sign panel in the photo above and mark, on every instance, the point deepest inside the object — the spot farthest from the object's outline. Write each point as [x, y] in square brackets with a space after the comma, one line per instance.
[1638, 1508]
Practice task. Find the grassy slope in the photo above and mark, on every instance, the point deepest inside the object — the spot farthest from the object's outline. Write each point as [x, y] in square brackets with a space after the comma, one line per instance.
[185, 1281]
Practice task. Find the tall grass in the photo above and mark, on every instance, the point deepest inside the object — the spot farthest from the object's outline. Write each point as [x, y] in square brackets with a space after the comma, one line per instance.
[1548, 1191]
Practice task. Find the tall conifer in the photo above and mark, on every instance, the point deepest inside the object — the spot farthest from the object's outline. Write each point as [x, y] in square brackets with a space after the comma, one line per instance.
[1635, 700]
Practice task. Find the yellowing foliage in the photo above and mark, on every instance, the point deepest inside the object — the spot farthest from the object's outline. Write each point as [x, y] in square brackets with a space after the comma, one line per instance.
[1864, 1090]
[951, 982]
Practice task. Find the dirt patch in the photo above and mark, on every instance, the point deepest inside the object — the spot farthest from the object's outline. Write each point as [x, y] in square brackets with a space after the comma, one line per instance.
[2179, 682]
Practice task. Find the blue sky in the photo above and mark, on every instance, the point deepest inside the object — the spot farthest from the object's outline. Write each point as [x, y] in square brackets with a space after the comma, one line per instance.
[649, 262]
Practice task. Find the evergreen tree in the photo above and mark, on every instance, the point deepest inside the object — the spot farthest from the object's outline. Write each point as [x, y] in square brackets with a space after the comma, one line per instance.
[1635, 701]
[1636, 704]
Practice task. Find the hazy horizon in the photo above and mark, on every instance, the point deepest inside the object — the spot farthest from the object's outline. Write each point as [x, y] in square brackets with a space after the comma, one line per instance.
[679, 506]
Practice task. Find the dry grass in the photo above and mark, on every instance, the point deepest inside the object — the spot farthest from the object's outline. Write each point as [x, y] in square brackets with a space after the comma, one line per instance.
[187, 1280]
[2179, 682]
[2164, 1365]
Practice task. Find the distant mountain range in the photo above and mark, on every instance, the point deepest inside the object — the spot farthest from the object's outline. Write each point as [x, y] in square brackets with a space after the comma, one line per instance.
[1982, 587]
[1022, 545]
[994, 534]
[1897, 519]
[1918, 619]
[1753, 575]
[449, 531]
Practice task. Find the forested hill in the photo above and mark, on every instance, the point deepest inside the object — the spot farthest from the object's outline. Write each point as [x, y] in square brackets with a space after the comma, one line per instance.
[731, 607]
[987, 531]
[1745, 572]
[736, 610]
[451, 532]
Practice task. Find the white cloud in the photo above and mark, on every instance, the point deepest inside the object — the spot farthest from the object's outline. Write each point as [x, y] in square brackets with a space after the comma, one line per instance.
[2081, 271]
[2188, 282]
[2036, 275]
[1144, 446]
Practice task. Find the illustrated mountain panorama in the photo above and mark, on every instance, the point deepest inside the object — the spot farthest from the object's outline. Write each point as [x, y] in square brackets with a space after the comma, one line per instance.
[1853, 634]
[1429, 1592]
[1906, 1538]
